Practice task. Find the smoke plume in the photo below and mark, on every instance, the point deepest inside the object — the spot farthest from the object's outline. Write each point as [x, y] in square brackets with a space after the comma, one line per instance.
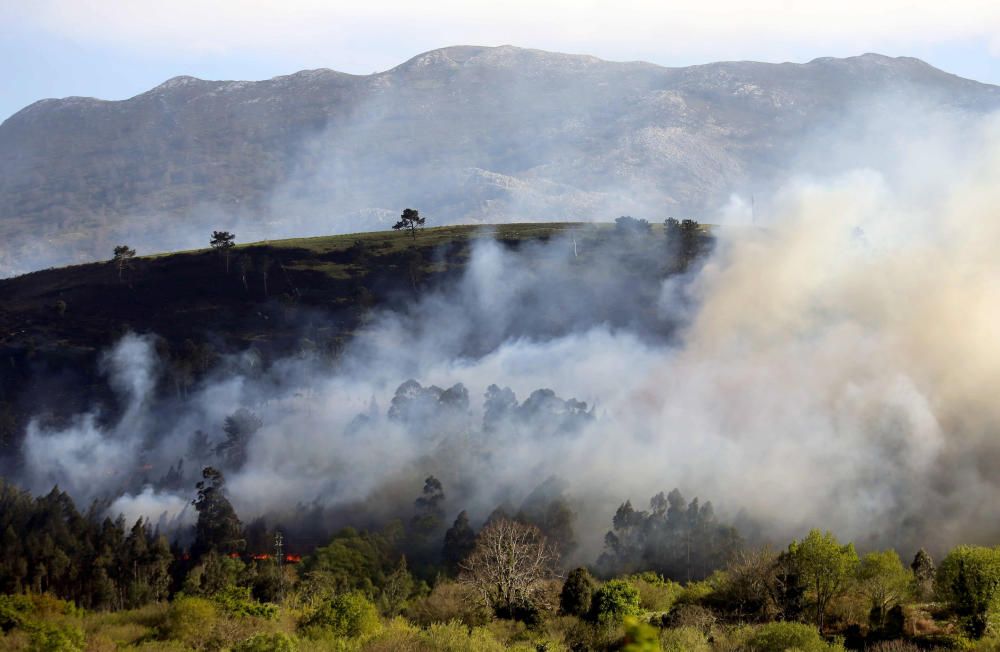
[834, 365]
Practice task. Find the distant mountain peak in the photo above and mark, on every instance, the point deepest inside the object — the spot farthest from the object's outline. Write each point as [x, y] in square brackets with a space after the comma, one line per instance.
[464, 133]
[177, 82]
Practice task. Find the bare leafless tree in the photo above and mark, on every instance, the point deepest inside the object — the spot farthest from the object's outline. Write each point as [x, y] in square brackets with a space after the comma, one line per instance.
[509, 566]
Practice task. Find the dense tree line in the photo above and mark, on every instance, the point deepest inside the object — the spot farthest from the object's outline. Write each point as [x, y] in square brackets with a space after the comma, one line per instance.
[49, 546]
[673, 572]
[678, 539]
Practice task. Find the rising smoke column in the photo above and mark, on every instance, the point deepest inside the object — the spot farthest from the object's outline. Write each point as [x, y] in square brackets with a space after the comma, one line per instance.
[835, 368]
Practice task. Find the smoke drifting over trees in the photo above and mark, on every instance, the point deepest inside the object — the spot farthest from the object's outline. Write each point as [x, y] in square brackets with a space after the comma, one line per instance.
[835, 368]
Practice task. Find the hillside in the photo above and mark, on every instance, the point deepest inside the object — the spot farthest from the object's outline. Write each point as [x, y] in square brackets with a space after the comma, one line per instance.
[465, 134]
[296, 297]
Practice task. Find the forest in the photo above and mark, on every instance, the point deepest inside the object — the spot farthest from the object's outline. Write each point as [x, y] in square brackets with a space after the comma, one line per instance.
[671, 577]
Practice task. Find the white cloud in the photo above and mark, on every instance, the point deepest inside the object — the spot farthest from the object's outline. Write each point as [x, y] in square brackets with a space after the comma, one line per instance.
[377, 32]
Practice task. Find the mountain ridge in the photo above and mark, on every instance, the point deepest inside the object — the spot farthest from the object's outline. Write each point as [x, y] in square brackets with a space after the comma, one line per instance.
[179, 80]
[465, 133]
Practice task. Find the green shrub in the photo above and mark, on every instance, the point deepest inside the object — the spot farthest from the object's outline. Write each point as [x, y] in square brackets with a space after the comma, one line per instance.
[456, 637]
[346, 615]
[277, 642]
[783, 636]
[656, 593]
[398, 634]
[969, 580]
[683, 639]
[15, 611]
[237, 601]
[640, 636]
[577, 592]
[696, 592]
[46, 637]
[613, 601]
[192, 621]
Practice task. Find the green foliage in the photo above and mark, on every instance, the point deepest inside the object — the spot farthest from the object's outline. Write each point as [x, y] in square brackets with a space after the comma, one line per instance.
[456, 637]
[640, 636]
[884, 582]
[192, 620]
[213, 574]
[237, 601]
[577, 592]
[969, 580]
[784, 636]
[698, 592]
[15, 611]
[825, 568]
[655, 592]
[684, 639]
[47, 546]
[346, 615]
[613, 601]
[276, 642]
[46, 637]
[352, 561]
[42, 618]
[218, 528]
[396, 590]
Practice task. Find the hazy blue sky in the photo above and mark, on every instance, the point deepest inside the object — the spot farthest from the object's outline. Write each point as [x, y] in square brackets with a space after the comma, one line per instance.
[114, 49]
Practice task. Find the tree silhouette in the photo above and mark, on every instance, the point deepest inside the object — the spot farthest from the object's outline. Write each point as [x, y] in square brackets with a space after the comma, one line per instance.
[410, 219]
[459, 541]
[123, 259]
[223, 242]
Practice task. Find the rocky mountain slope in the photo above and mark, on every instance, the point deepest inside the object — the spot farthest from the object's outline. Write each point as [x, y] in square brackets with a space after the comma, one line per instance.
[466, 134]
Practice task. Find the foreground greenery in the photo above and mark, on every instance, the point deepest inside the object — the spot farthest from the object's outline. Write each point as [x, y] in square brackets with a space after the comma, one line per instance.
[502, 587]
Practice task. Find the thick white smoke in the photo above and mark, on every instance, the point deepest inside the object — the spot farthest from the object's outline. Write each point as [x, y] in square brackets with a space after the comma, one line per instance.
[837, 368]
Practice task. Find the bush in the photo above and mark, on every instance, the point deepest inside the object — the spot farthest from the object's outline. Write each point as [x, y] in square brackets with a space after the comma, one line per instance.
[969, 580]
[15, 611]
[456, 637]
[237, 601]
[782, 636]
[656, 593]
[277, 642]
[398, 634]
[577, 592]
[346, 615]
[192, 621]
[691, 615]
[639, 636]
[615, 600]
[683, 639]
[51, 638]
[695, 592]
[448, 601]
